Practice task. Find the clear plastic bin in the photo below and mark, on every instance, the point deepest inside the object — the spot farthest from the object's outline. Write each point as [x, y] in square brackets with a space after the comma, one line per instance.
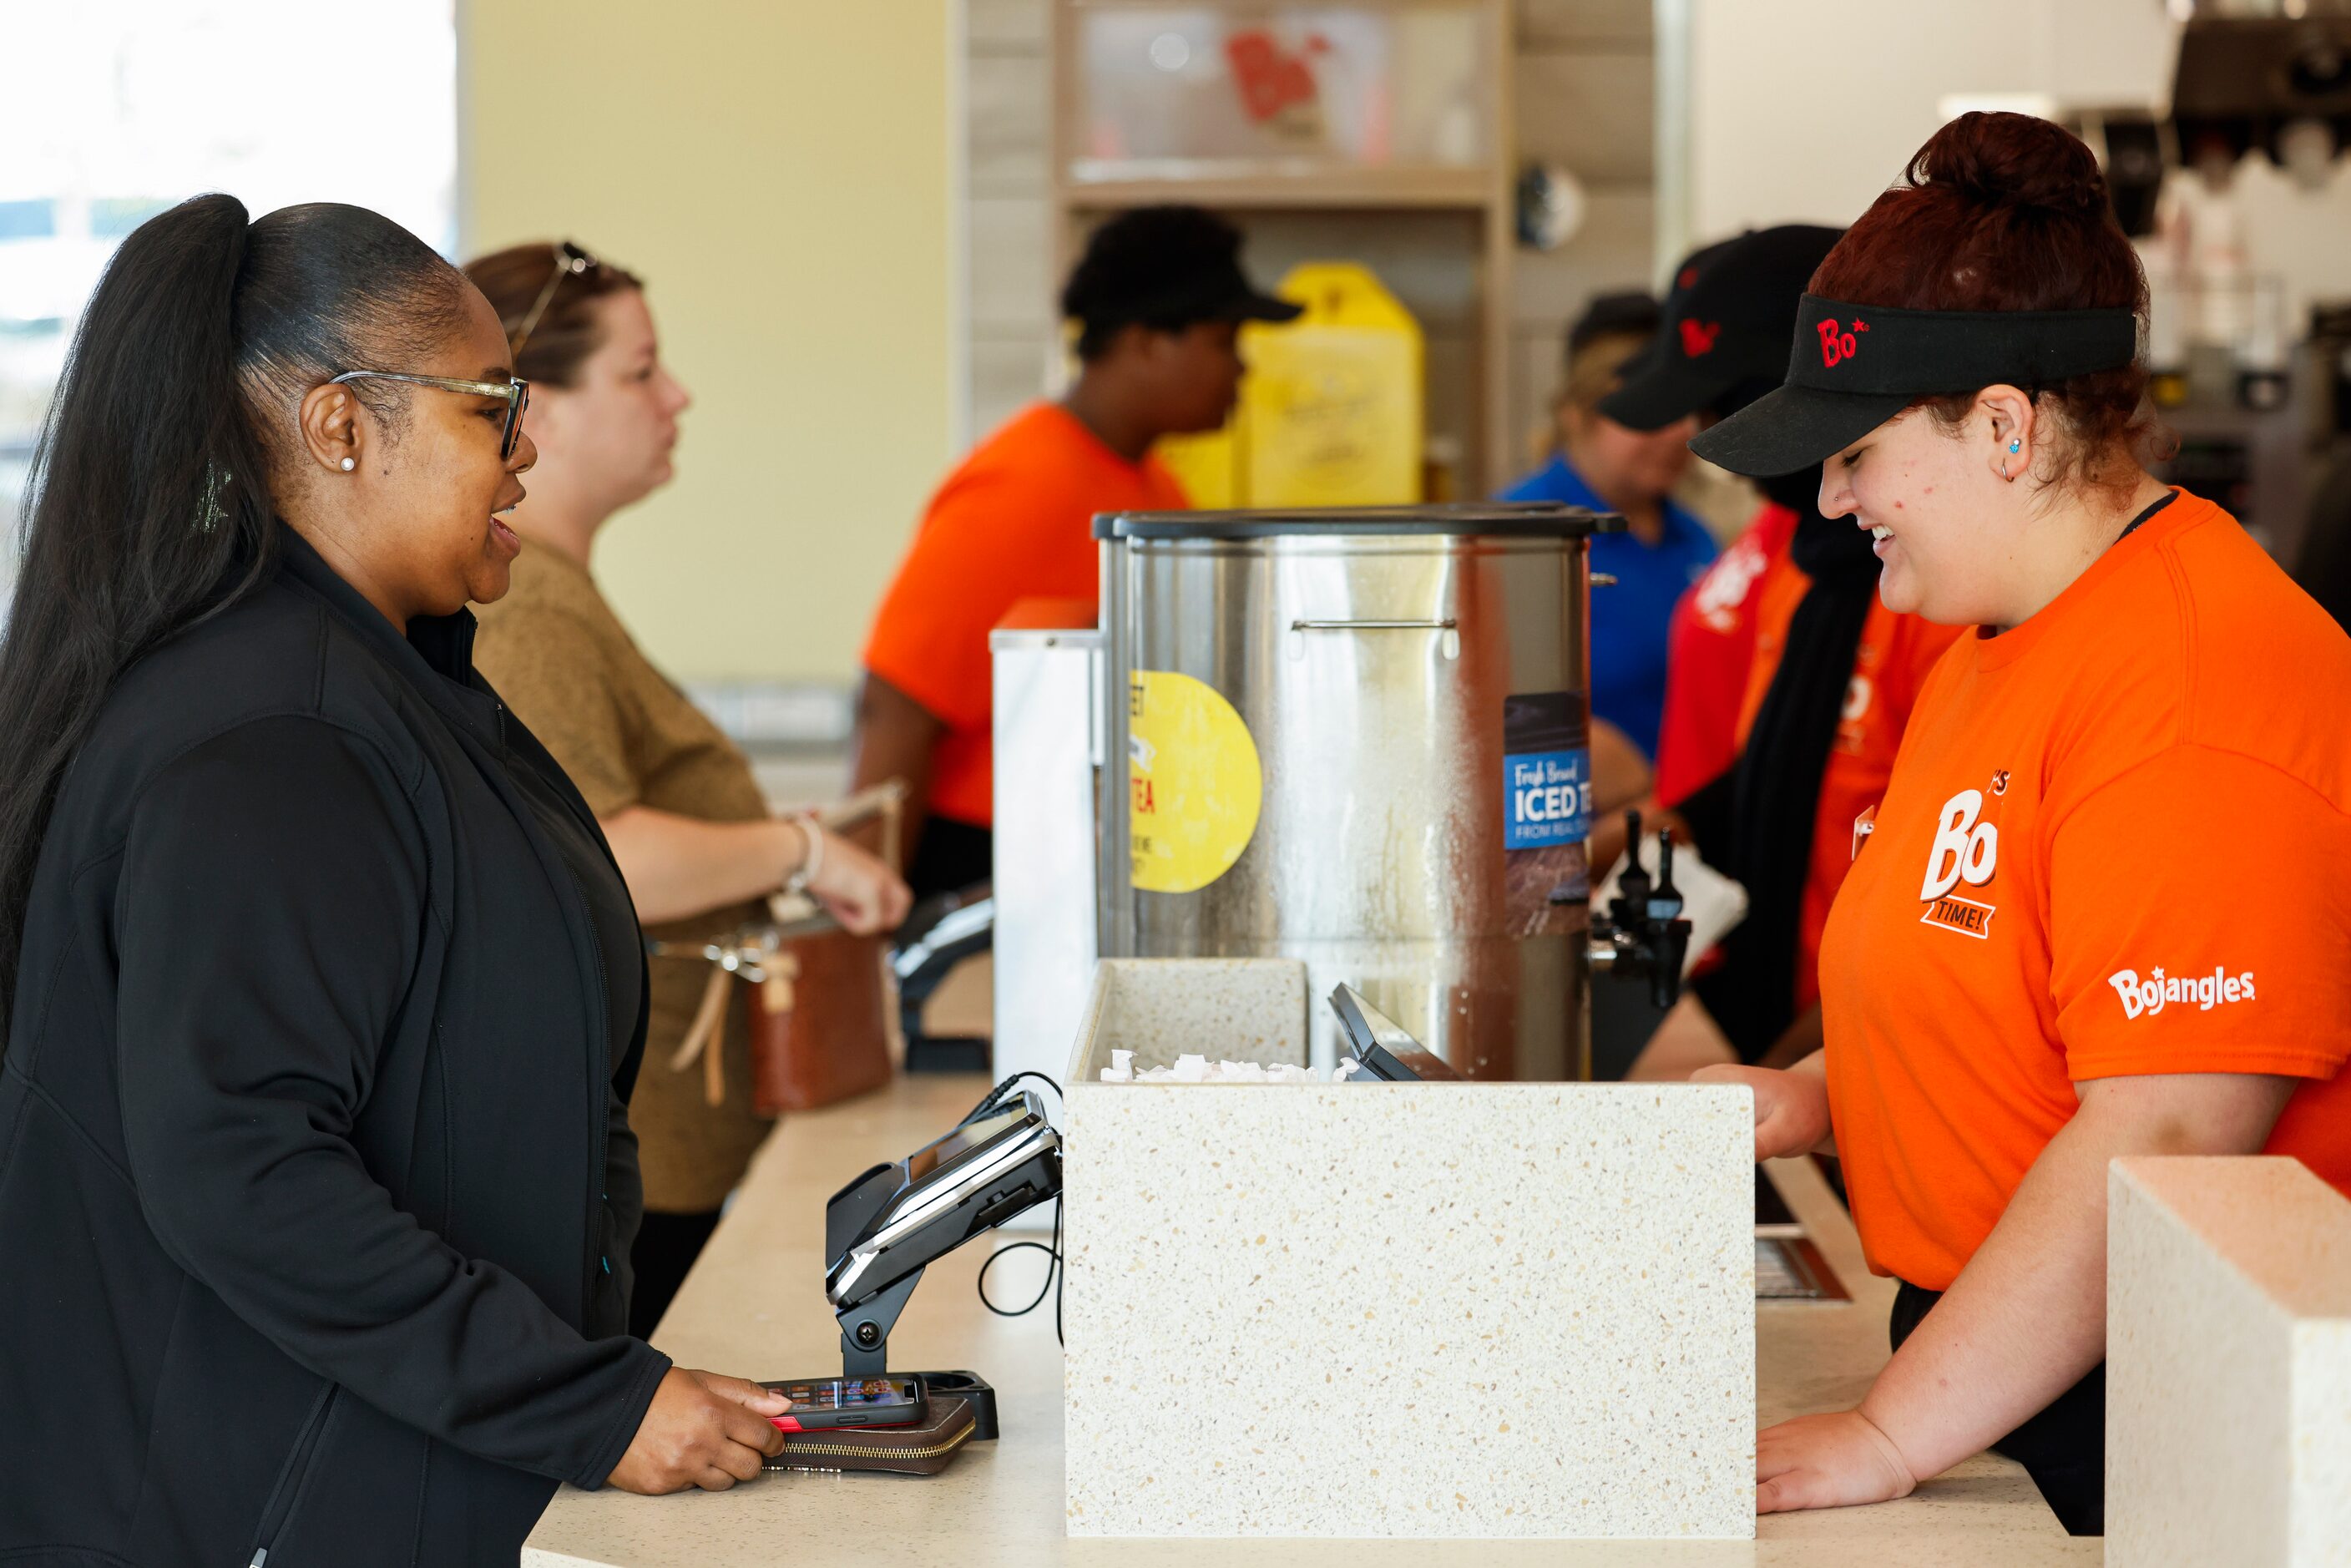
[1169, 90]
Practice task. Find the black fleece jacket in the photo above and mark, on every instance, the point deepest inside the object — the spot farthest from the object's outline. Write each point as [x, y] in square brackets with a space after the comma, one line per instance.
[315, 1185]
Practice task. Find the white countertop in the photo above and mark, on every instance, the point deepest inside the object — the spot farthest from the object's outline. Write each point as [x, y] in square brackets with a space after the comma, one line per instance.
[754, 1307]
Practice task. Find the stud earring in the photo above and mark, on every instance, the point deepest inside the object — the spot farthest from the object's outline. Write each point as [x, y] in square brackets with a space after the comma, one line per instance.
[352, 463]
[2016, 446]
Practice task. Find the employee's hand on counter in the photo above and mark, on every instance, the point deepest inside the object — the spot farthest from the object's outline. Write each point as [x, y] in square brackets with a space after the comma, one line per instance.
[858, 888]
[1827, 1461]
[1792, 1106]
[701, 1430]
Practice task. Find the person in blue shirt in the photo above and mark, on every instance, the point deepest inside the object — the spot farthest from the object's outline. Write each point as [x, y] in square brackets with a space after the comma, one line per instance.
[1598, 463]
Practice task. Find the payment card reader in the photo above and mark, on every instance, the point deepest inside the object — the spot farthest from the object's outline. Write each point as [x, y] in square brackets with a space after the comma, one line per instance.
[883, 1228]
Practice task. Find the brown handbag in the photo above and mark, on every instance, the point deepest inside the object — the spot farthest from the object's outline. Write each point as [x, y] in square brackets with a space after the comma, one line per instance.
[819, 1002]
[819, 1007]
[923, 1449]
[820, 1035]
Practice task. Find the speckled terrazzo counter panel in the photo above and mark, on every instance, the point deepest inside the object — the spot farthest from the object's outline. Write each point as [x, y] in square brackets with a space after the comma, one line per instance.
[1410, 1309]
[2227, 1364]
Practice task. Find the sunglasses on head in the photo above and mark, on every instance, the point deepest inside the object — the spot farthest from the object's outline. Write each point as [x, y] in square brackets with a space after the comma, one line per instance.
[571, 261]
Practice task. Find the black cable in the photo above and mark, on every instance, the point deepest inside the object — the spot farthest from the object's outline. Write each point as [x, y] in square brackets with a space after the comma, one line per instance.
[994, 1096]
[1056, 1269]
[1054, 1273]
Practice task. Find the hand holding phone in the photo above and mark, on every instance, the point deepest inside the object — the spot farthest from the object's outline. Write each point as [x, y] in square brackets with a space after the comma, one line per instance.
[701, 1430]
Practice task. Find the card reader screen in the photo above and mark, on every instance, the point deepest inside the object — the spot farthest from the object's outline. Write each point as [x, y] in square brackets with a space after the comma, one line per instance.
[850, 1393]
[924, 1163]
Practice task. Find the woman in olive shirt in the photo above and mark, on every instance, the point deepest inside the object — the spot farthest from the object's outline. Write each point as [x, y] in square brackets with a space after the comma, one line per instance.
[687, 823]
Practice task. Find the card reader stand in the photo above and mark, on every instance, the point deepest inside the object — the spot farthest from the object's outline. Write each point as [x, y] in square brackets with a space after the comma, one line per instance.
[865, 1328]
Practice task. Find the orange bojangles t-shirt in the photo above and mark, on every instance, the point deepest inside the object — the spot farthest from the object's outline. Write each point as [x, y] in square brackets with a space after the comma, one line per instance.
[2115, 844]
[1889, 667]
[1015, 521]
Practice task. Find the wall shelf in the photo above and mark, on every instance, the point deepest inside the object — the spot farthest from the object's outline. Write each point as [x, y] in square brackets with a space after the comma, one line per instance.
[1362, 189]
[1459, 162]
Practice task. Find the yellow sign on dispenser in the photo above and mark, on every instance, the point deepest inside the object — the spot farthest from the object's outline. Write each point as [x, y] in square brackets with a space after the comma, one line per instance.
[1331, 405]
[1332, 411]
[1193, 782]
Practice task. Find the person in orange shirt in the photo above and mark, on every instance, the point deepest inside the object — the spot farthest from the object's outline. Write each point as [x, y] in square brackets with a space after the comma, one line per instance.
[1158, 298]
[2028, 972]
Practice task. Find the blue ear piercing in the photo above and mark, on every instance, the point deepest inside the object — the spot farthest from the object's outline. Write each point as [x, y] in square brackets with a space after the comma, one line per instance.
[2016, 446]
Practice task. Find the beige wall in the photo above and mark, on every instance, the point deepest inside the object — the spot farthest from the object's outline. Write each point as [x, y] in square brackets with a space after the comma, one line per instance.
[777, 171]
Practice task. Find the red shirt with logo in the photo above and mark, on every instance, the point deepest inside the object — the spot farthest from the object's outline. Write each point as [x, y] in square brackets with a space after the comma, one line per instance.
[2114, 843]
[1890, 664]
[1709, 642]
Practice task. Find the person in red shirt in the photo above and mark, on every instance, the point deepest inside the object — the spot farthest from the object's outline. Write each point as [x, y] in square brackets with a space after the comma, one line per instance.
[1710, 643]
[2028, 972]
[1721, 345]
[1158, 298]
[1805, 678]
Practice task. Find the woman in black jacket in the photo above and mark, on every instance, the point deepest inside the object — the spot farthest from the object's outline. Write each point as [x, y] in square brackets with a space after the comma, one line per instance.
[324, 997]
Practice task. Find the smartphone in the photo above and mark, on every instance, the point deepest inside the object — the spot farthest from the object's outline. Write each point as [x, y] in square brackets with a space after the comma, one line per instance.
[825, 1404]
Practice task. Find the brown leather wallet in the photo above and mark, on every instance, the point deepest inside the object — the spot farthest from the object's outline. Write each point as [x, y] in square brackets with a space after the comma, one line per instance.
[923, 1449]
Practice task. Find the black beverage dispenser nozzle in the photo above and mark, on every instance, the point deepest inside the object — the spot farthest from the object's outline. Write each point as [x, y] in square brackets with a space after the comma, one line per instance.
[1643, 936]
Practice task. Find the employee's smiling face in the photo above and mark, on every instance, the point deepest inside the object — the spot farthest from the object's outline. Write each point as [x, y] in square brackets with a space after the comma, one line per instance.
[1941, 513]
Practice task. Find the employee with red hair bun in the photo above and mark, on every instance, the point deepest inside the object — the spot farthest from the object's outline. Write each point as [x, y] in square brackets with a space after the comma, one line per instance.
[2028, 972]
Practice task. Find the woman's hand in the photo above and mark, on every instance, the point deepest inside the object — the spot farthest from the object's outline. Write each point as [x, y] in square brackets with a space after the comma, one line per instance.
[1827, 1461]
[701, 1430]
[1791, 1107]
[862, 892]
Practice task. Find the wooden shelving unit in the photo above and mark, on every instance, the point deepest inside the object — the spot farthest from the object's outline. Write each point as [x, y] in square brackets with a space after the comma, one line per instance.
[1086, 188]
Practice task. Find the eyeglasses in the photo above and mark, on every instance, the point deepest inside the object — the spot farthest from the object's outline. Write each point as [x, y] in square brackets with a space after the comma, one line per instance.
[514, 389]
[571, 261]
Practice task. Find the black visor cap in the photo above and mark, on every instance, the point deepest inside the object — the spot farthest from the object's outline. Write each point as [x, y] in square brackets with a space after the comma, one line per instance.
[1791, 428]
[1854, 367]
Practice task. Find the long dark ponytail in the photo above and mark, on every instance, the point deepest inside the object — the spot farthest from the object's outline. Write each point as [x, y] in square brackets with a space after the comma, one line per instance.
[148, 508]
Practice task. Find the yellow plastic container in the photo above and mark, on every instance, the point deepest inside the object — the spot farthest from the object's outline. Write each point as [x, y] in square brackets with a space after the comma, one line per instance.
[1332, 411]
[1206, 466]
[1332, 403]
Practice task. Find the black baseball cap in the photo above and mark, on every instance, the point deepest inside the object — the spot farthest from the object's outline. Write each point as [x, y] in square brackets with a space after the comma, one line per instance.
[1166, 267]
[1724, 340]
[1852, 367]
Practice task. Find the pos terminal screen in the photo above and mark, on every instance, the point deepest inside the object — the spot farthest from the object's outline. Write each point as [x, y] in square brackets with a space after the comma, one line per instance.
[922, 1165]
